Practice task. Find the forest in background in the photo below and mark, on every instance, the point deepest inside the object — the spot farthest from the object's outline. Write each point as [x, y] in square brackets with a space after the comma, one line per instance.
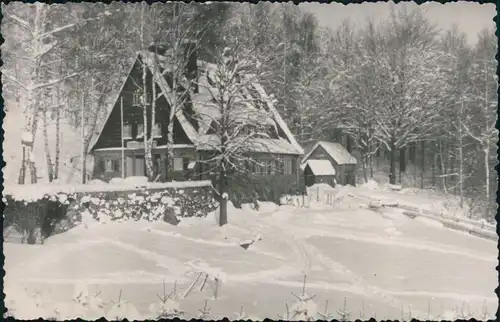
[401, 90]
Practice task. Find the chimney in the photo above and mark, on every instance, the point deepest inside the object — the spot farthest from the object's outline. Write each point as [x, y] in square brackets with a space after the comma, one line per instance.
[190, 52]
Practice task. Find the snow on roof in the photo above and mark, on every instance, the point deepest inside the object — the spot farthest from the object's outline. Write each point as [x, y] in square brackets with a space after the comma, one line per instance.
[335, 150]
[321, 167]
[260, 145]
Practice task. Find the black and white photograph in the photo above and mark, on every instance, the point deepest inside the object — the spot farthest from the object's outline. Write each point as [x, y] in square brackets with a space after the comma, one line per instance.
[250, 161]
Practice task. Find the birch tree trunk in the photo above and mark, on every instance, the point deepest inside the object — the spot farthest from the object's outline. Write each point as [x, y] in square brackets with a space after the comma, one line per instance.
[487, 175]
[149, 159]
[58, 143]
[434, 166]
[461, 166]
[222, 173]
[48, 159]
[170, 134]
[422, 164]
[169, 161]
[30, 149]
[393, 163]
[147, 147]
[364, 162]
[443, 167]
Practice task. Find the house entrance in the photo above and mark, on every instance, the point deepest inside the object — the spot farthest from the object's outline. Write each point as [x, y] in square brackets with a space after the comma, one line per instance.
[139, 166]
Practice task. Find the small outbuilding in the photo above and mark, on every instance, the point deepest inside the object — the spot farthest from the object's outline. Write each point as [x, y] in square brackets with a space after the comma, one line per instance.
[319, 171]
[340, 160]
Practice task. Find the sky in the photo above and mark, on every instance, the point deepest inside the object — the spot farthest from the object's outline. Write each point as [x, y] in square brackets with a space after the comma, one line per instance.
[469, 17]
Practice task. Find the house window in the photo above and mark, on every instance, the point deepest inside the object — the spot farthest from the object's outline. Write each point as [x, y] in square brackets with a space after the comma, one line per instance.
[269, 167]
[288, 165]
[111, 165]
[261, 167]
[248, 166]
[273, 132]
[157, 163]
[178, 164]
[127, 131]
[140, 166]
[185, 163]
[157, 130]
[280, 167]
[140, 131]
[245, 130]
[107, 166]
[138, 98]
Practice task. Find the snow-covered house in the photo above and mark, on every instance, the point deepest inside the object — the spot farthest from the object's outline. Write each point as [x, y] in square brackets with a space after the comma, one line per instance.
[340, 164]
[191, 129]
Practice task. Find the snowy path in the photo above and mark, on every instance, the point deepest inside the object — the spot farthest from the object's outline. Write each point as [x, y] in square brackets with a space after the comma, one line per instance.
[385, 261]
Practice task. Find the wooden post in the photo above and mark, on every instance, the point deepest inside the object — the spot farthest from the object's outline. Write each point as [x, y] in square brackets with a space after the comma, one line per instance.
[123, 143]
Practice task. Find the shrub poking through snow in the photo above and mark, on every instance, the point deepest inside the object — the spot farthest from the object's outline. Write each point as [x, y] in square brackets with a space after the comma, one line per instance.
[37, 218]
[168, 307]
[122, 310]
[305, 309]
[83, 304]
[241, 315]
[343, 312]
[326, 315]
[204, 312]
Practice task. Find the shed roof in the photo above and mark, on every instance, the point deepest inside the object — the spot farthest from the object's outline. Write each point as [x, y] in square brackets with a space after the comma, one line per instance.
[335, 150]
[321, 167]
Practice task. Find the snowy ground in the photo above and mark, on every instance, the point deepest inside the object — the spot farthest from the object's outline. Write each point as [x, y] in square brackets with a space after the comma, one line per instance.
[385, 264]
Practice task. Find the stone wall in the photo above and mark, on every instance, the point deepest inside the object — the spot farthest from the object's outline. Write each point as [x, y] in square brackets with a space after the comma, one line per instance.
[31, 210]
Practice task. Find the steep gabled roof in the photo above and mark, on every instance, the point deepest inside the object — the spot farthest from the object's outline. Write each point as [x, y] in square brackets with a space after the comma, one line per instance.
[204, 111]
[95, 138]
[335, 150]
[166, 92]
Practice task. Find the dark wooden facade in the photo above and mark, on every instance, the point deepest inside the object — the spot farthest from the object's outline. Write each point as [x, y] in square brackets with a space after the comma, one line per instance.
[133, 115]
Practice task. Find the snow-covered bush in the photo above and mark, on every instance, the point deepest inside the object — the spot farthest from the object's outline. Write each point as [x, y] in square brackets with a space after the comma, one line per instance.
[122, 310]
[248, 189]
[168, 306]
[304, 309]
[39, 217]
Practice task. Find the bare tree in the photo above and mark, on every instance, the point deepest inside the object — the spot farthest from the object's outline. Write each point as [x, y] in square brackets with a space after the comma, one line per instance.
[238, 115]
[43, 29]
[410, 69]
[169, 40]
[357, 90]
